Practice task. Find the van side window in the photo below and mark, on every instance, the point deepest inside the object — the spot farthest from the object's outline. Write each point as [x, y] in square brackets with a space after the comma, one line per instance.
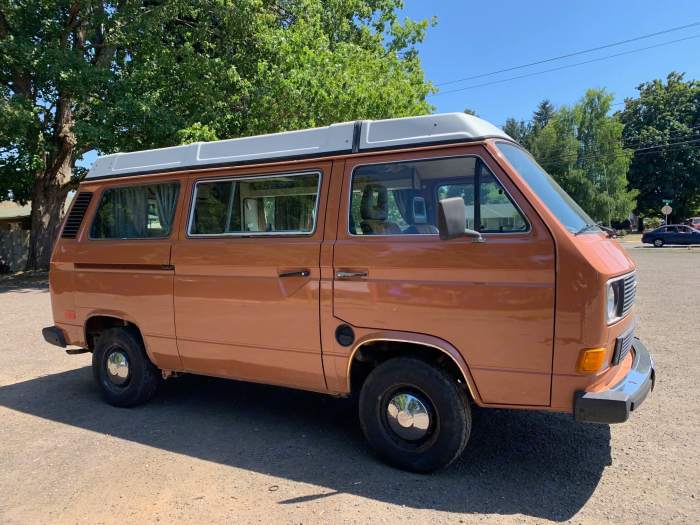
[136, 212]
[261, 205]
[498, 213]
[401, 198]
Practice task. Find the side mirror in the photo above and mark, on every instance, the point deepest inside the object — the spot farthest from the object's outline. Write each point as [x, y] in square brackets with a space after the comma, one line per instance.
[452, 218]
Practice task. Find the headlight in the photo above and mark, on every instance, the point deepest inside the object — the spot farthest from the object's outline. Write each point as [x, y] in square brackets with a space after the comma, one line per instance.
[613, 300]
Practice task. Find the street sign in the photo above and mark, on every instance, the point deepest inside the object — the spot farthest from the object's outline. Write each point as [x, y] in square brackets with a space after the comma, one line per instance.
[667, 201]
[666, 210]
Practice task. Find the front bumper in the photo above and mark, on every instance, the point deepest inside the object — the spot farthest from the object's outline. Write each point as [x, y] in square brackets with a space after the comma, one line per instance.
[614, 405]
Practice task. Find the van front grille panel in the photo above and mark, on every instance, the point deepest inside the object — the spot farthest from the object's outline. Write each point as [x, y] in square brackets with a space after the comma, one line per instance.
[623, 344]
[629, 292]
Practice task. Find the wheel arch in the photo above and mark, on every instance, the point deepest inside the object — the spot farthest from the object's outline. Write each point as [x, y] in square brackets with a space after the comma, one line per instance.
[384, 345]
[98, 322]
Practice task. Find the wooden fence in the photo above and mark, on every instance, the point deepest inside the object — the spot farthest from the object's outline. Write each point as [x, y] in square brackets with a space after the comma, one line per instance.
[13, 250]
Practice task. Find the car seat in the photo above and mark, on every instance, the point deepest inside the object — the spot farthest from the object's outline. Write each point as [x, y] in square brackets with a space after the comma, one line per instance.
[374, 209]
[420, 219]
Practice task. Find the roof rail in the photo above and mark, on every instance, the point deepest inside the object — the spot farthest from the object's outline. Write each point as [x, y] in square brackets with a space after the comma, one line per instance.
[346, 137]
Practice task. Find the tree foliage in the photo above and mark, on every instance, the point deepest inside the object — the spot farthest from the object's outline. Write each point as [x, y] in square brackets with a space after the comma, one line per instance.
[666, 114]
[543, 114]
[77, 76]
[582, 148]
[525, 131]
[518, 130]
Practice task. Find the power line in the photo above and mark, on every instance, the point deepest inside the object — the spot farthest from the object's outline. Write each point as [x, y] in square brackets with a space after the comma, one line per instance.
[642, 150]
[685, 134]
[560, 160]
[593, 155]
[535, 73]
[568, 55]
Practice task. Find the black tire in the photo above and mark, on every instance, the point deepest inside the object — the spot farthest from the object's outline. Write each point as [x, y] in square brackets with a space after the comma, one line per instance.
[658, 243]
[443, 397]
[142, 377]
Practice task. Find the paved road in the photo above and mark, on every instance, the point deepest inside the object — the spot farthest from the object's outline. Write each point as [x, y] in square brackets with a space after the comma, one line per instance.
[208, 450]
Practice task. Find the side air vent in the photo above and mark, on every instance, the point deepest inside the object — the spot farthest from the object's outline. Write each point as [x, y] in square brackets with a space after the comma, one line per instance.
[75, 217]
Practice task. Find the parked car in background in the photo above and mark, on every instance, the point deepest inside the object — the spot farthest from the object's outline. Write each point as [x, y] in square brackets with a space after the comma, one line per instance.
[694, 222]
[672, 234]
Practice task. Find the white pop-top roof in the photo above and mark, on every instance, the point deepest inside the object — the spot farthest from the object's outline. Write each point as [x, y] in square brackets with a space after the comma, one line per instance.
[348, 137]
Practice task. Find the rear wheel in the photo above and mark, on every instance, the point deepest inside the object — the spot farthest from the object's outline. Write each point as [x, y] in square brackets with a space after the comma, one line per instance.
[121, 368]
[658, 243]
[414, 414]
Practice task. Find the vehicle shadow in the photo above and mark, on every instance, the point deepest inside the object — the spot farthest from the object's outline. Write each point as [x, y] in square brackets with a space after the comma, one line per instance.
[541, 465]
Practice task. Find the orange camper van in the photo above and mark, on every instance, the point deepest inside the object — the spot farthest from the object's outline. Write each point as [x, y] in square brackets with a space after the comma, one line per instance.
[426, 264]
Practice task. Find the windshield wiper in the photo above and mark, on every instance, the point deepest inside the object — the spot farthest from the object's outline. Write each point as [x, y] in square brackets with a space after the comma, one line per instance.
[608, 231]
[611, 233]
[586, 228]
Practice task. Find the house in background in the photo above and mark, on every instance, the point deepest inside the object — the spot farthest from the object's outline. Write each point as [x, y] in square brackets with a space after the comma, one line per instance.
[14, 216]
[15, 224]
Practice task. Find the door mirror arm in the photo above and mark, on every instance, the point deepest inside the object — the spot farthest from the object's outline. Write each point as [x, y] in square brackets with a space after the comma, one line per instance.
[452, 218]
[473, 234]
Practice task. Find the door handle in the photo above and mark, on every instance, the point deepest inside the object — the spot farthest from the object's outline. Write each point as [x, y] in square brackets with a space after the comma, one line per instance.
[343, 274]
[295, 273]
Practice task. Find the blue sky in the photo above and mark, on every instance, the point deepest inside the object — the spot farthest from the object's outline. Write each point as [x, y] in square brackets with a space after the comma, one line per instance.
[472, 38]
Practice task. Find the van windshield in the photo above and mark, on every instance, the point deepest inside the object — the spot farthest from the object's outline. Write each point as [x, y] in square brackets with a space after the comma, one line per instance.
[564, 208]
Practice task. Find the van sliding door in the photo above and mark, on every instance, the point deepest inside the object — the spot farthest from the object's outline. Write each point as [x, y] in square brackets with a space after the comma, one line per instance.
[247, 276]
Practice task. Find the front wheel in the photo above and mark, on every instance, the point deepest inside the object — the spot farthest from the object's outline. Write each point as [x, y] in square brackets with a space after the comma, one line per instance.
[414, 414]
[658, 243]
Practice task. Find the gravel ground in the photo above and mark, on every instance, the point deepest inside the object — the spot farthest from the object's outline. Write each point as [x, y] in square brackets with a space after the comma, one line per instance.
[208, 450]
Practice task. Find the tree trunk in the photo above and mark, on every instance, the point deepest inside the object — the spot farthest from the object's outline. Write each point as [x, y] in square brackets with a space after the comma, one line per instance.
[50, 188]
[48, 197]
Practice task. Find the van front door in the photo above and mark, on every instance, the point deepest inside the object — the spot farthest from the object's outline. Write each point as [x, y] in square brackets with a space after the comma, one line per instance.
[492, 300]
[247, 277]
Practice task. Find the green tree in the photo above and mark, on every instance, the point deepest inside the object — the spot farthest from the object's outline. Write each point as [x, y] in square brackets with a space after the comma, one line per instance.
[666, 114]
[119, 76]
[542, 115]
[518, 130]
[197, 132]
[582, 148]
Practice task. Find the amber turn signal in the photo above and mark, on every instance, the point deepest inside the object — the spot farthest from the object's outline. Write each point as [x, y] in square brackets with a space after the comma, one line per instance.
[590, 360]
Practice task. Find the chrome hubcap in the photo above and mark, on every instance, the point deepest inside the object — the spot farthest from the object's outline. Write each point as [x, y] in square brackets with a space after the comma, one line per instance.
[118, 367]
[408, 416]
